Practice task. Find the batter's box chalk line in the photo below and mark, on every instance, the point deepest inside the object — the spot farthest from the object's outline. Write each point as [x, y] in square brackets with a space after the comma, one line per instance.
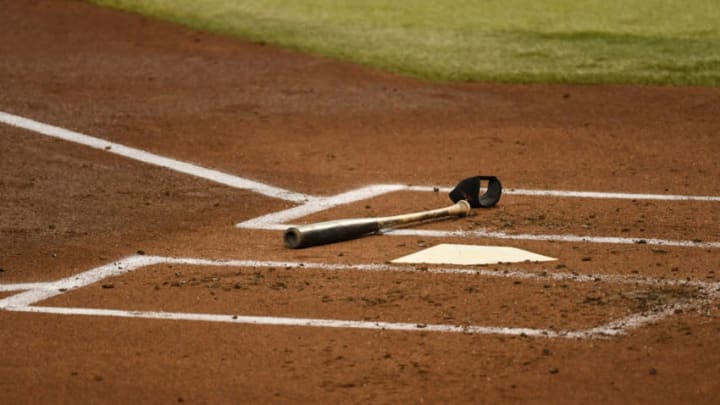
[280, 220]
[34, 293]
[310, 204]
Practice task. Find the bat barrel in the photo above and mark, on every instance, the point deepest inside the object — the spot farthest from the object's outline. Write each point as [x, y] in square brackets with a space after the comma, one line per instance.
[329, 232]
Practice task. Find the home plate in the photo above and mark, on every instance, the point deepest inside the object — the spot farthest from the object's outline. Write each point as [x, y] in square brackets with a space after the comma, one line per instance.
[471, 254]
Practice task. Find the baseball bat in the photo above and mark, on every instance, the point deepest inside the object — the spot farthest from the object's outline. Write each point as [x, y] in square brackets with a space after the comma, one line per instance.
[345, 229]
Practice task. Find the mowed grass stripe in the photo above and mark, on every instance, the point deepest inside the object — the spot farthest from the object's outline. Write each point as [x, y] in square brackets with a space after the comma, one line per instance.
[524, 41]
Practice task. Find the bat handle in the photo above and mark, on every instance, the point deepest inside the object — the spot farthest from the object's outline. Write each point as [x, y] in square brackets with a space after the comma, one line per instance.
[459, 209]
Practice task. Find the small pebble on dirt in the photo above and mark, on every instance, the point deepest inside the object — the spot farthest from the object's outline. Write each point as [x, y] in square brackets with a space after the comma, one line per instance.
[108, 285]
[652, 371]
[140, 252]
[2, 270]
[546, 352]
[554, 370]
[587, 259]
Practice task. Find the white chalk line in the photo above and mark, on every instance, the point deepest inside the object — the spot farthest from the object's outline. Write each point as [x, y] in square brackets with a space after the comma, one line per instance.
[24, 302]
[40, 291]
[285, 321]
[51, 289]
[616, 328]
[153, 159]
[320, 204]
[279, 221]
[275, 192]
[540, 274]
[583, 194]
[553, 238]
[480, 234]
[22, 286]
[312, 204]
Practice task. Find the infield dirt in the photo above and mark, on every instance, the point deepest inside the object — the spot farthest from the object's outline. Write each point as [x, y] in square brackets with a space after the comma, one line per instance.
[323, 127]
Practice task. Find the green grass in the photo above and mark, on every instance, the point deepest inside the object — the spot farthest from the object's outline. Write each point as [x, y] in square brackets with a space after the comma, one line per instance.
[527, 41]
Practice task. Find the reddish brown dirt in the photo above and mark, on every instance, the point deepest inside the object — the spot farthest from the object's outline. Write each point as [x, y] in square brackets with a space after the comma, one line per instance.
[321, 127]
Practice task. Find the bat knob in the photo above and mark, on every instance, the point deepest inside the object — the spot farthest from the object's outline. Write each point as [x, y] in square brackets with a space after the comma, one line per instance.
[292, 238]
[465, 208]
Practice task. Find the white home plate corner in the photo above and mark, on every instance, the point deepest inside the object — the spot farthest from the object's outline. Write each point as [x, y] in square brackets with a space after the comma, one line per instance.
[447, 253]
